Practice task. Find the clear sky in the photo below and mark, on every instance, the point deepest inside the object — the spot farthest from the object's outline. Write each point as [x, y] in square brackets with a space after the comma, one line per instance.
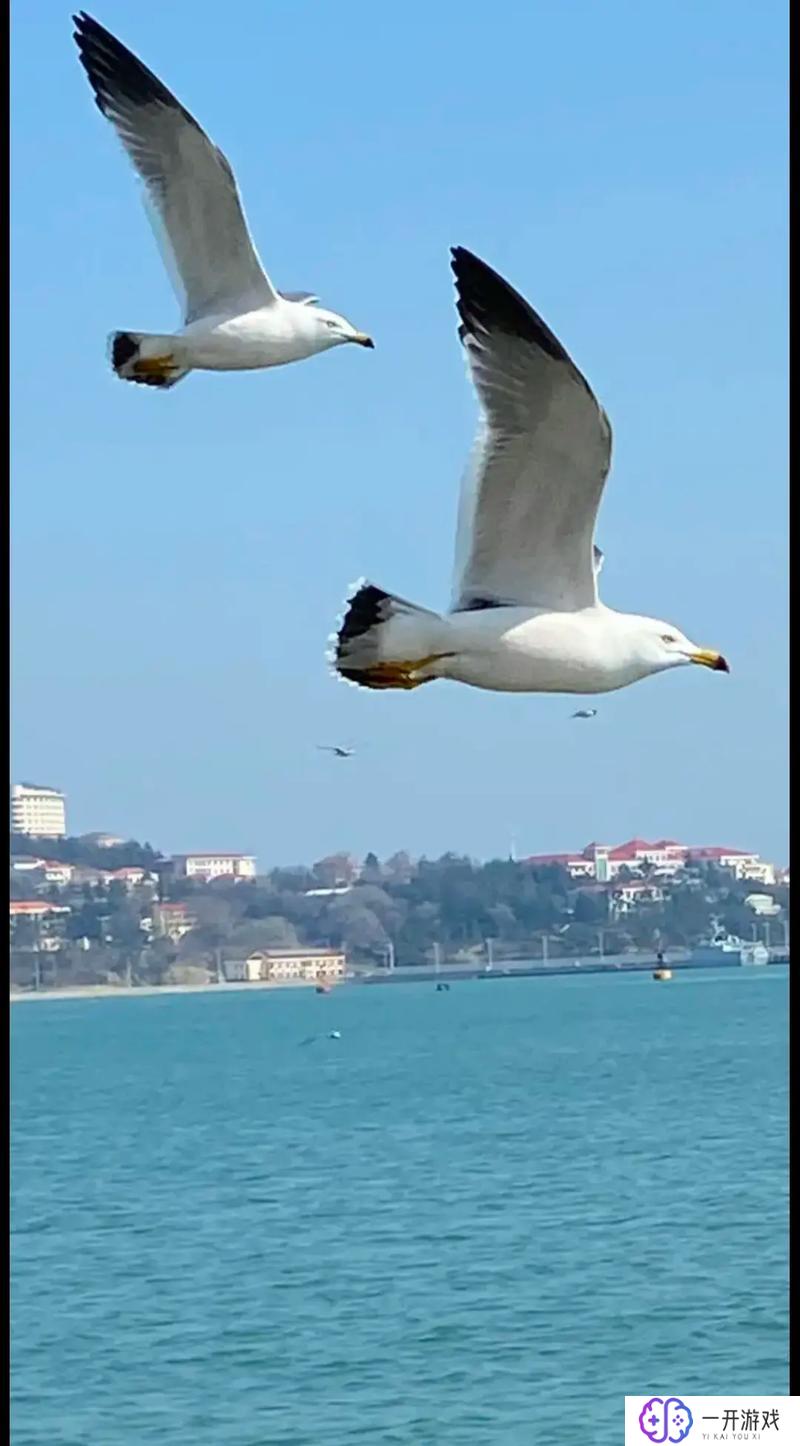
[181, 557]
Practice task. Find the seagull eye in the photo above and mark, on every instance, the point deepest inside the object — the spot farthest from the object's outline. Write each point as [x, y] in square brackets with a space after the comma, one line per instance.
[668, 638]
[332, 324]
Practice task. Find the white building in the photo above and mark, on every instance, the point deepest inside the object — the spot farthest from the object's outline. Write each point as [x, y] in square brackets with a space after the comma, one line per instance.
[214, 866]
[742, 865]
[38, 812]
[762, 904]
[755, 871]
[44, 871]
[48, 923]
[58, 873]
[132, 878]
[172, 921]
[27, 864]
[634, 894]
[665, 858]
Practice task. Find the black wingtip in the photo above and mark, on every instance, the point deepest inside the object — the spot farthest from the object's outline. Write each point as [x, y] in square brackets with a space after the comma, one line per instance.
[486, 302]
[115, 72]
[87, 29]
[365, 608]
[123, 349]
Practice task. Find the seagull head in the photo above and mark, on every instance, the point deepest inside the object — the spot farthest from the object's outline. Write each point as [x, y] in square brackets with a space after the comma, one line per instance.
[333, 329]
[661, 645]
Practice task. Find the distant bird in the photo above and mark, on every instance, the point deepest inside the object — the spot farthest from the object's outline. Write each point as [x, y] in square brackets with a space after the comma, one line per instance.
[585, 713]
[525, 615]
[335, 748]
[312, 1038]
[234, 319]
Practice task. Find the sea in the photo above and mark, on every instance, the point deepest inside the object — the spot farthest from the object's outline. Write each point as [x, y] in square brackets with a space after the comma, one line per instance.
[477, 1217]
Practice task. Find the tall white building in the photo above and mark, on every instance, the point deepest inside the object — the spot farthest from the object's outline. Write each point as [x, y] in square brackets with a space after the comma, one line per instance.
[38, 812]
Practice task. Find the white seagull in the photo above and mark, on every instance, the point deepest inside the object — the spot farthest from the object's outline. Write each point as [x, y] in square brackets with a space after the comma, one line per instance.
[234, 319]
[336, 749]
[585, 713]
[525, 616]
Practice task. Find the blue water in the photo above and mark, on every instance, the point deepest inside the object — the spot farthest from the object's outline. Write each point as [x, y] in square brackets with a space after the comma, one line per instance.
[477, 1219]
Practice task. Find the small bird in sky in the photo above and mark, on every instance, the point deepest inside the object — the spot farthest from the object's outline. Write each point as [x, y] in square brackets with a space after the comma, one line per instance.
[585, 713]
[234, 318]
[336, 749]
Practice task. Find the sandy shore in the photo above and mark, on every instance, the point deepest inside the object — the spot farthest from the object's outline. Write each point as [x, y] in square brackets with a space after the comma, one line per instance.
[121, 991]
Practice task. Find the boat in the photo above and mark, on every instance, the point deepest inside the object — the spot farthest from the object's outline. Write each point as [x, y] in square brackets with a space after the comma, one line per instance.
[323, 989]
[754, 953]
[662, 974]
[722, 949]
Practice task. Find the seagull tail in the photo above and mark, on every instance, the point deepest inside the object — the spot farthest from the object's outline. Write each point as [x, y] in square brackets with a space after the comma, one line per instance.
[138, 356]
[385, 642]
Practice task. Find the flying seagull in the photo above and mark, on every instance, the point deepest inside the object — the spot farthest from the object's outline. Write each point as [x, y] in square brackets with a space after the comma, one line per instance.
[234, 319]
[585, 713]
[334, 748]
[525, 615]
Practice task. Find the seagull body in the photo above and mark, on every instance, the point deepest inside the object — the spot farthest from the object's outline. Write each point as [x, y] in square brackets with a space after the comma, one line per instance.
[234, 318]
[525, 615]
[585, 713]
[336, 749]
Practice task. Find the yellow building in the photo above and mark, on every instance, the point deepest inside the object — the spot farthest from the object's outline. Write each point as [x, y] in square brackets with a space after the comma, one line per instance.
[308, 965]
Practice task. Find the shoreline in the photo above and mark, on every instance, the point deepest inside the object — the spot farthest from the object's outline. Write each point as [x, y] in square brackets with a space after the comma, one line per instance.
[456, 973]
[125, 991]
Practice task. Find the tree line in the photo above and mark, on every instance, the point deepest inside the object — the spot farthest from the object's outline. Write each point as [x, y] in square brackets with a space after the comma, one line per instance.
[407, 907]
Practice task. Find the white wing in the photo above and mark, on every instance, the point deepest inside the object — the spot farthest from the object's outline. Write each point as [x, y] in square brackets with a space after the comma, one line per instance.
[190, 184]
[530, 497]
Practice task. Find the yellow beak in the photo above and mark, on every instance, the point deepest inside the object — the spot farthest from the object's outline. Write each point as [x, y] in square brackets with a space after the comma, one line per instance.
[363, 340]
[710, 659]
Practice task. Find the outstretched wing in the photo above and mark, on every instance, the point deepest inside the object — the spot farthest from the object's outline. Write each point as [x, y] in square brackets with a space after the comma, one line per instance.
[530, 497]
[190, 185]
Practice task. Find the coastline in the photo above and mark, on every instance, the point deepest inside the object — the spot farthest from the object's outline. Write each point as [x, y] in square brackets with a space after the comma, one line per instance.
[125, 991]
[455, 973]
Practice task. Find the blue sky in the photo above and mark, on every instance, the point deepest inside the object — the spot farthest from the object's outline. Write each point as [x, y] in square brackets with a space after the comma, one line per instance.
[180, 558]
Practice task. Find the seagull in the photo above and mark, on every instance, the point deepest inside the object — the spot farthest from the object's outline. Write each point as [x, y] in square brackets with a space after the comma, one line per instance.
[234, 319]
[312, 1038]
[525, 615]
[585, 713]
[336, 749]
